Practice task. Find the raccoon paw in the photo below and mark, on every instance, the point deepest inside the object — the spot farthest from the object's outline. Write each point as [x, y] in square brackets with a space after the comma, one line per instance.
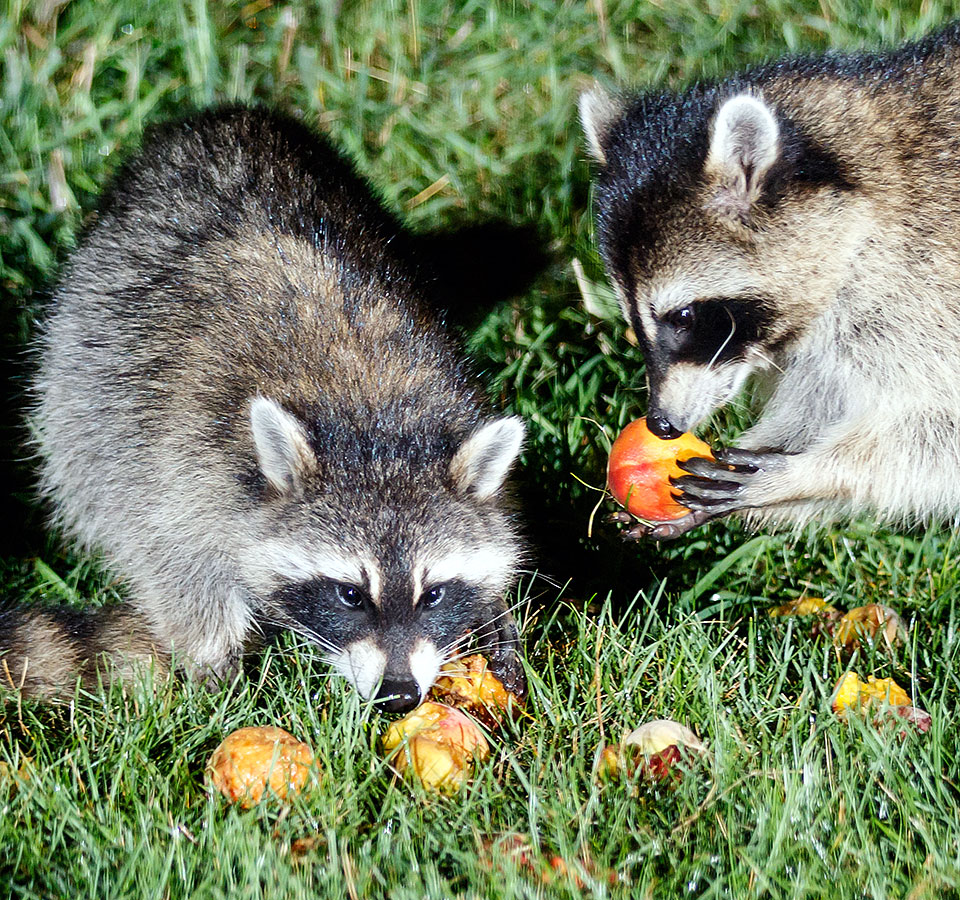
[506, 665]
[666, 531]
[500, 644]
[716, 487]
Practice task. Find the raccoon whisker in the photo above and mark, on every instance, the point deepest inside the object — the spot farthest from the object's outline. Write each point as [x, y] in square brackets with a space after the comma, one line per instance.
[726, 340]
[318, 640]
[456, 649]
[536, 575]
[767, 360]
[453, 651]
[300, 630]
[507, 612]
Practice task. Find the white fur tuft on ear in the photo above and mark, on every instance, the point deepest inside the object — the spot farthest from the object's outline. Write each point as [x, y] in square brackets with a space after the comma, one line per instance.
[744, 145]
[598, 111]
[283, 450]
[481, 463]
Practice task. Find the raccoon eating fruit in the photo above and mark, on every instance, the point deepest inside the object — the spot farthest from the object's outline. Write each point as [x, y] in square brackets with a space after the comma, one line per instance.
[794, 224]
[244, 403]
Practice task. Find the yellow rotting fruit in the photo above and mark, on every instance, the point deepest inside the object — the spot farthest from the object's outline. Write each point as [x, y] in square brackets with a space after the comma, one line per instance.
[436, 743]
[852, 693]
[868, 623]
[469, 684]
[804, 606]
[250, 760]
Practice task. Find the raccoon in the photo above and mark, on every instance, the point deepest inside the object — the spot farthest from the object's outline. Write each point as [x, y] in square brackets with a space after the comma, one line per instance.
[796, 222]
[245, 404]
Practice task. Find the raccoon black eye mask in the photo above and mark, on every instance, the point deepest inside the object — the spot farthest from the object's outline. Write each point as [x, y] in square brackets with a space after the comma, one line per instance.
[245, 402]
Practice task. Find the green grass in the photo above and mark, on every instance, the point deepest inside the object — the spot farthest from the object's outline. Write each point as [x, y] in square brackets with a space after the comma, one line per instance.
[478, 99]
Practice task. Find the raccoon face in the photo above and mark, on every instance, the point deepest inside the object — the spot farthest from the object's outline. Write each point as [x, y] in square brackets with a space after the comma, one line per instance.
[389, 644]
[699, 354]
[726, 231]
[390, 580]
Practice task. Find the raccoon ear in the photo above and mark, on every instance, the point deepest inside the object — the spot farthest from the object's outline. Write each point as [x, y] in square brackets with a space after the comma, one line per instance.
[283, 450]
[598, 111]
[744, 145]
[480, 465]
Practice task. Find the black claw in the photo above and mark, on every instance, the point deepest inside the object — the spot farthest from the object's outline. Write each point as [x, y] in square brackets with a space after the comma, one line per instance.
[712, 506]
[705, 487]
[745, 460]
[638, 532]
[700, 465]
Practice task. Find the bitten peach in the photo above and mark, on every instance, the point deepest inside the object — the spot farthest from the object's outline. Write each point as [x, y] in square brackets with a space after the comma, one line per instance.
[438, 744]
[653, 750]
[469, 684]
[640, 468]
[249, 760]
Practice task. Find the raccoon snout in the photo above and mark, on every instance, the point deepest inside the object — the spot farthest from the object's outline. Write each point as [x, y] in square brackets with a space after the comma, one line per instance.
[398, 696]
[660, 425]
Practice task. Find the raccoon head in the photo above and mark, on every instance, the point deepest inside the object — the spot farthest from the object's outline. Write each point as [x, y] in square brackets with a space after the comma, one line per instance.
[391, 572]
[726, 230]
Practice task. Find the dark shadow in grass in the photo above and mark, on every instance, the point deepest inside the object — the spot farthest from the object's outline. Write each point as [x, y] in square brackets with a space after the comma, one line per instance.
[21, 518]
[472, 267]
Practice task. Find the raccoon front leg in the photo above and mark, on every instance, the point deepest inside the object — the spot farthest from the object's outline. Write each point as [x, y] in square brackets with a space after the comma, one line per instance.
[499, 640]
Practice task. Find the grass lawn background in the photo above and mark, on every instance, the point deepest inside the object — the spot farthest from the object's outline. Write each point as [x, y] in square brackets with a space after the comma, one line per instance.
[460, 112]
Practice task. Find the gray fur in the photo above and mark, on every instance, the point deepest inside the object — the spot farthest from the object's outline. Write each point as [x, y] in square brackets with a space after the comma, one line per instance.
[243, 403]
[806, 212]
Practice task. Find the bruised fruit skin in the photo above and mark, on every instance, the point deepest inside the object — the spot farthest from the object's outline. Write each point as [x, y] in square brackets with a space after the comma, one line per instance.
[249, 760]
[436, 743]
[652, 750]
[641, 466]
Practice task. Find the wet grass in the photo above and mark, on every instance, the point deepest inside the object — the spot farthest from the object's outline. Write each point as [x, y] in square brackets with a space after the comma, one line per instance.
[461, 112]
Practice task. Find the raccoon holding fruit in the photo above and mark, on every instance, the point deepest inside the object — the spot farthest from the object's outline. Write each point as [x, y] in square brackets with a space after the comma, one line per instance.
[797, 222]
[245, 404]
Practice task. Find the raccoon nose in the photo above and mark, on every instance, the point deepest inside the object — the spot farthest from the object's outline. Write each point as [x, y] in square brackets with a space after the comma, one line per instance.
[398, 696]
[660, 425]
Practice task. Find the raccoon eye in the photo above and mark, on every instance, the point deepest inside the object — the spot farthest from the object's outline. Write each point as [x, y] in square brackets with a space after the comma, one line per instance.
[682, 318]
[349, 596]
[432, 597]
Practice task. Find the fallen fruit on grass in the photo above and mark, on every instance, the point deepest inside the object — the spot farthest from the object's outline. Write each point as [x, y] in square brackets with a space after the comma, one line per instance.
[882, 696]
[653, 750]
[250, 760]
[652, 737]
[436, 743]
[852, 693]
[869, 623]
[641, 466]
[469, 684]
[805, 606]
[518, 850]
